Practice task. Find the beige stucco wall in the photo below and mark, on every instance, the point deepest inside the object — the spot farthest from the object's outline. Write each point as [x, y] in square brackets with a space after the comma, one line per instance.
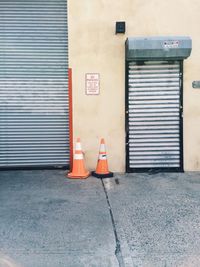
[94, 47]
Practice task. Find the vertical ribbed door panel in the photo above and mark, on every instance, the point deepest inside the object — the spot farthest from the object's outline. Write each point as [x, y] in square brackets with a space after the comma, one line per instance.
[34, 124]
[154, 90]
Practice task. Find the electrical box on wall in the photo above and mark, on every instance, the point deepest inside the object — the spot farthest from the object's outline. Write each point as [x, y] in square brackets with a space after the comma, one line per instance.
[120, 27]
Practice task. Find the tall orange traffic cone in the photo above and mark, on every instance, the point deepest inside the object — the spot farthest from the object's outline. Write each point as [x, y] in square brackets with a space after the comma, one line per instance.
[78, 171]
[102, 164]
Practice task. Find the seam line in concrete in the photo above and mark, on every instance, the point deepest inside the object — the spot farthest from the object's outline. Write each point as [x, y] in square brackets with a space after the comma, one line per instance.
[118, 252]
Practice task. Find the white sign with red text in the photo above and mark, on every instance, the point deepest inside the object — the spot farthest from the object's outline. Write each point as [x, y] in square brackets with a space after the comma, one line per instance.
[92, 83]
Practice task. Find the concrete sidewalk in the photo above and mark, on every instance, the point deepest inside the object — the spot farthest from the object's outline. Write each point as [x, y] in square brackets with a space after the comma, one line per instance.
[47, 220]
[157, 218]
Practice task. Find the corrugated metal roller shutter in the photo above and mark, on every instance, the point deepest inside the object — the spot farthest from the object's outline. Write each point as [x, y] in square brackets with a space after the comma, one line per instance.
[154, 115]
[34, 127]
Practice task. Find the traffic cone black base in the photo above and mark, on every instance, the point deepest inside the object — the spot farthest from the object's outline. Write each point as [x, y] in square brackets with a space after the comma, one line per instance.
[102, 170]
[106, 175]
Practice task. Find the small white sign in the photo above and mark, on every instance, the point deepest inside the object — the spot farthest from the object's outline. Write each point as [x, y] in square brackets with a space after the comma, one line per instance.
[92, 83]
[170, 44]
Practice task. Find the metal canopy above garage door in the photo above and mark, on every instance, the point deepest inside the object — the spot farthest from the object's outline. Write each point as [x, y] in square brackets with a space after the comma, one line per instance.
[34, 128]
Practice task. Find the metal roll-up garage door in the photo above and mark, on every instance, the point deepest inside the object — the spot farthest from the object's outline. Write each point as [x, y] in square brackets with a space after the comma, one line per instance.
[154, 115]
[34, 124]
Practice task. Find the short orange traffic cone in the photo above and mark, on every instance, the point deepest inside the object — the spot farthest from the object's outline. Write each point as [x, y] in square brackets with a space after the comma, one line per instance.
[78, 171]
[102, 164]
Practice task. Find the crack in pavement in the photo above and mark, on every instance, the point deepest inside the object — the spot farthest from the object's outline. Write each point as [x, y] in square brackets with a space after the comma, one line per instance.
[118, 252]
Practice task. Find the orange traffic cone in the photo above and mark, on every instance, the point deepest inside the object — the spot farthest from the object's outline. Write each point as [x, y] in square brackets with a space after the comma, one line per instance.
[78, 171]
[102, 164]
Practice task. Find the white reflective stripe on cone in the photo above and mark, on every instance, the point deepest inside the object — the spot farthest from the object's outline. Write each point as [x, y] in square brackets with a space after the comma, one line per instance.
[78, 146]
[78, 156]
[102, 156]
[102, 148]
